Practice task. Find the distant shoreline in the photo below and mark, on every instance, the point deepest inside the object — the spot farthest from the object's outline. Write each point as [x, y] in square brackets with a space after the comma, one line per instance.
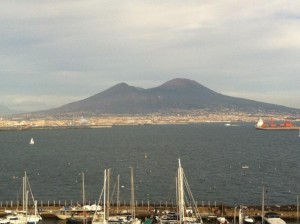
[25, 128]
[51, 127]
[107, 121]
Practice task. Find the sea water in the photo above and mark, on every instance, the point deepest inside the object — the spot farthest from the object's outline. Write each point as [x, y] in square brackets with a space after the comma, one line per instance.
[223, 164]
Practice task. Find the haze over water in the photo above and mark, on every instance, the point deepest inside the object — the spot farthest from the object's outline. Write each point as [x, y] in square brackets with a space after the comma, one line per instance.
[211, 154]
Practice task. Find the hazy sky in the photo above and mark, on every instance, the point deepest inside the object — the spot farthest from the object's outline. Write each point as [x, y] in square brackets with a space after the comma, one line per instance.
[58, 51]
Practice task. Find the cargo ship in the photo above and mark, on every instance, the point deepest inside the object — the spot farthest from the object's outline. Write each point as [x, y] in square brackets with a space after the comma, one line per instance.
[286, 125]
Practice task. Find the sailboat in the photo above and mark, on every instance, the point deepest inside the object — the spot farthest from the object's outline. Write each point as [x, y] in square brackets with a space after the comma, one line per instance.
[103, 217]
[25, 216]
[100, 217]
[133, 220]
[188, 215]
[31, 142]
[78, 213]
[84, 217]
[117, 218]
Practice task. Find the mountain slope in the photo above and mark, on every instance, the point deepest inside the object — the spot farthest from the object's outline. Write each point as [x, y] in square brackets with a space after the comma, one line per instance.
[176, 95]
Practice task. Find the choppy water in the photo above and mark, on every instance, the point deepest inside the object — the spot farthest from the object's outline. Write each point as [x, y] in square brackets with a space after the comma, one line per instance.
[212, 156]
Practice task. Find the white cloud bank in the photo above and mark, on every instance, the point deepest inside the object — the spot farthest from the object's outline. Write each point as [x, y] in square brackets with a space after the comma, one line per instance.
[74, 49]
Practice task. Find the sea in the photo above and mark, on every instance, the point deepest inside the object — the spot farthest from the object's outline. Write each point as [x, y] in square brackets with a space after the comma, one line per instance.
[228, 165]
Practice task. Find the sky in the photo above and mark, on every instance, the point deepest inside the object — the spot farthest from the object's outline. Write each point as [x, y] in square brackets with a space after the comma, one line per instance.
[59, 51]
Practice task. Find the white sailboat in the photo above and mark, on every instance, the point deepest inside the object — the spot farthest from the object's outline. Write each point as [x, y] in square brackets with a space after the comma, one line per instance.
[25, 216]
[117, 218]
[133, 220]
[32, 217]
[185, 215]
[85, 216]
[192, 214]
[78, 213]
[31, 142]
[100, 217]
[103, 217]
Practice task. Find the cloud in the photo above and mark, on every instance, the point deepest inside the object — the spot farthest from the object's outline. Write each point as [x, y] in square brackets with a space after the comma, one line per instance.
[78, 48]
[28, 103]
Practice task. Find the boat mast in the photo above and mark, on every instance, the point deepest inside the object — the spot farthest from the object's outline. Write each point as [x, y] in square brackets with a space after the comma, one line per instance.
[35, 209]
[176, 182]
[25, 201]
[104, 197]
[83, 190]
[26, 207]
[240, 215]
[118, 194]
[23, 192]
[263, 205]
[132, 195]
[83, 197]
[180, 193]
[108, 187]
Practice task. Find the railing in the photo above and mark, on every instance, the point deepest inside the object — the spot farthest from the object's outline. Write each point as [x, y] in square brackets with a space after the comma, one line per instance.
[60, 203]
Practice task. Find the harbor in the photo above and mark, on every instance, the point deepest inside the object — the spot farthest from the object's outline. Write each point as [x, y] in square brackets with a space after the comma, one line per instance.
[288, 213]
[150, 112]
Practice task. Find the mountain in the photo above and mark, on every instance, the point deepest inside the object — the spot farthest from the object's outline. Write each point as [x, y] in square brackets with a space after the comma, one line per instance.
[174, 96]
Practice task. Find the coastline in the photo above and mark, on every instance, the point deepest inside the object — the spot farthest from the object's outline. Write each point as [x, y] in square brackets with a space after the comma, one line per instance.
[22, 122]
[12, 128]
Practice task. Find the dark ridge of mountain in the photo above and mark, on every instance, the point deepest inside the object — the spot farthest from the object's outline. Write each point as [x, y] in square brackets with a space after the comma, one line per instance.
[120, 99]
[181, 84]
[174, 96]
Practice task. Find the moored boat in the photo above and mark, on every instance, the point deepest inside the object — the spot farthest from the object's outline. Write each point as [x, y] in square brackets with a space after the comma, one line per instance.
[80, 219]
[24, 216]
[245, 219]
[273, 218]
[67, 212]
[222, 220]
[170, 218]
[184, 214]
[4, 221]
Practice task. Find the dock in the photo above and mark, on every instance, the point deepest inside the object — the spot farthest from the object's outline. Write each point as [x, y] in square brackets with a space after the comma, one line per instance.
[288, 213]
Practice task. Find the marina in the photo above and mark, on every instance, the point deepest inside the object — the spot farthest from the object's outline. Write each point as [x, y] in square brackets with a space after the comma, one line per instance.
[289, 214]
